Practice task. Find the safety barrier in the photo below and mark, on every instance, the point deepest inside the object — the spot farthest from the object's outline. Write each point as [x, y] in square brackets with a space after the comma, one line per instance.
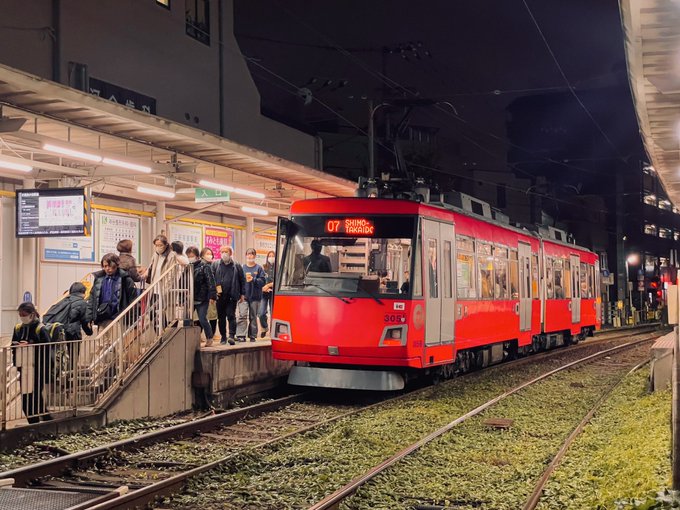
[37, 380]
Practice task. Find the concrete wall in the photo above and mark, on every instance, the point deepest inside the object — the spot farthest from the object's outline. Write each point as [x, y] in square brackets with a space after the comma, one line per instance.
[142, 46]
[242, 370]
[163, 385]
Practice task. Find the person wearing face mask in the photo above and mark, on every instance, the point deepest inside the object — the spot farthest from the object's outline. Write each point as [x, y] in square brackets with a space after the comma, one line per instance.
[163, 259]
[207, 257]
[32, 362]
[204, 291]
[255, 281]
[230, 284]
[178, 248]
[266, 301]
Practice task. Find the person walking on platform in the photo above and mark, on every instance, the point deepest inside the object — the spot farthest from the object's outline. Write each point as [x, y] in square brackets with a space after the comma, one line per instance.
[230, 285]
[112, 292]
[127, 260]
[204, 291]
[207, 257]
[163, 259]
[267, 292]
[32, 362]
[255, 281]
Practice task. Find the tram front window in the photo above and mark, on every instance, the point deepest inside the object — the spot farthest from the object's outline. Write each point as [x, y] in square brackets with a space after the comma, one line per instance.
[316, 263]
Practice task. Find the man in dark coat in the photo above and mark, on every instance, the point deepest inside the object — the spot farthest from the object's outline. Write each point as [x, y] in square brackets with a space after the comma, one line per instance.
[315, 262]
[112, 291]
[73, 312]
[230, 283]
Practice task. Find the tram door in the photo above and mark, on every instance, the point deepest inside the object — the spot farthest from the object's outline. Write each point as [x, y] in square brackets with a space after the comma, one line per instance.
[524, 251]
[575, 262]
[438, 281]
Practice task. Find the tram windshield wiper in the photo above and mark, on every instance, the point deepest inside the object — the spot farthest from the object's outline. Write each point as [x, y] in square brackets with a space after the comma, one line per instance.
[307, 284]
[370, 294]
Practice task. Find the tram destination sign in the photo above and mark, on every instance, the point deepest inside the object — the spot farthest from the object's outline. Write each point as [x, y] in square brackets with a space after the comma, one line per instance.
[50, 212]
[350, 226]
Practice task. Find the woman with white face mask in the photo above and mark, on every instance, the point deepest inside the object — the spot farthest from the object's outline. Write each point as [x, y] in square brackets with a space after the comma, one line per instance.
[255, 281]
[267, 292]
[32, 362]
[207, 257]
[162, 259]
[204, 291]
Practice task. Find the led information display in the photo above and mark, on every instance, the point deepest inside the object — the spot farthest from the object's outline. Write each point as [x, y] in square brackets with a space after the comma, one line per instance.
[351, 226]
[50, 212]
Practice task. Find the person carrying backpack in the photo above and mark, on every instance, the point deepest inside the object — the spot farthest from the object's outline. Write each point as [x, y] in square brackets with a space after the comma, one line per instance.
[74, 315]
[32, 362]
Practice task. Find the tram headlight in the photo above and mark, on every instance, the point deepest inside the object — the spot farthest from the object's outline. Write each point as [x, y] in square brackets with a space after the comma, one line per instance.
[394, 336]
[281, 331]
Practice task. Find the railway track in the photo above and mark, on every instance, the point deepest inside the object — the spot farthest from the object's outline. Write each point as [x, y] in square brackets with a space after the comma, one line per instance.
[606, 360]
[134, 471]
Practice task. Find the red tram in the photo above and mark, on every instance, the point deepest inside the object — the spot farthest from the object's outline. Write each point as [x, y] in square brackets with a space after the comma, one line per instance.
[371, 292]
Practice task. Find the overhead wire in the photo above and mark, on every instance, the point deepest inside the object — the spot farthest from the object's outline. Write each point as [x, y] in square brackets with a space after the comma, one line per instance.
[567, 82]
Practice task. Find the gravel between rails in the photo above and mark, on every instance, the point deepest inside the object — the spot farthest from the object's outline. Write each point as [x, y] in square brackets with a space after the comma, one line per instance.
[299, 471]
[476, 466]
[622, 458]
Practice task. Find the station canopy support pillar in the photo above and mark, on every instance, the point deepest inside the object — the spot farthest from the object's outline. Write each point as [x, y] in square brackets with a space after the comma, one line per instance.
[250, 234]
[28, 261]
[161, 225]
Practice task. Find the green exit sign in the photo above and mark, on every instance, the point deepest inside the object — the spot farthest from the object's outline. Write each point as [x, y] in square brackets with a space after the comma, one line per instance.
[210, 195]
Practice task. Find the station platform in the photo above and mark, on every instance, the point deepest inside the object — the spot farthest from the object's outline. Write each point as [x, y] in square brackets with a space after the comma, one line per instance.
[231, 372]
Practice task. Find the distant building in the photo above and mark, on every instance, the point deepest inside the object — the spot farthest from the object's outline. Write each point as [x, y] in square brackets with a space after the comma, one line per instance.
[177, 59]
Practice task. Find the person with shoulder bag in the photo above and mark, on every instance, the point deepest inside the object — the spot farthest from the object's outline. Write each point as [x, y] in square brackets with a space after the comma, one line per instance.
[204, 291]
[32, 362]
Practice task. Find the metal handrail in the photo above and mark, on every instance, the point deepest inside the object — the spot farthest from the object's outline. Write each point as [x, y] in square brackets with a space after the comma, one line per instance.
[39, 379]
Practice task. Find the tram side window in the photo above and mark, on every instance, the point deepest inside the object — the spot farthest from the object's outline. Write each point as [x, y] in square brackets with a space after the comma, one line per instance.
[549, 283]
[446, 275]
[465, 268]
[417, 276]
[534, 277]
[583, 275]
[432, 267]
[501, 274]
[567, 279]
[558, 278]
[591, 282]
[485, 264]
[514, 275]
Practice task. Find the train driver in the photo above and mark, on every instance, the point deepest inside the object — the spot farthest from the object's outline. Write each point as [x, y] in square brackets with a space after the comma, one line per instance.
[315, 262]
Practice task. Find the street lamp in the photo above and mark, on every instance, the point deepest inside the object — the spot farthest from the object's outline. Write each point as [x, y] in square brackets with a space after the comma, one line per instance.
[632, 260]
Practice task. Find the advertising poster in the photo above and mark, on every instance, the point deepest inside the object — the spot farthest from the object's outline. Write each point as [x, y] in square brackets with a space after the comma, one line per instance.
[216, 237]
[190, 235]
[264, 243]
[68, 249]
[111, 228]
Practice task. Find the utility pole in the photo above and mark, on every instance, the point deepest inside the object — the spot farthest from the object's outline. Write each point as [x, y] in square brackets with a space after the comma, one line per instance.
[371, 142]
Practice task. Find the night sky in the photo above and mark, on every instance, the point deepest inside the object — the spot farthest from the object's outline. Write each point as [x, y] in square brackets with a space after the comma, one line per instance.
[479, 56]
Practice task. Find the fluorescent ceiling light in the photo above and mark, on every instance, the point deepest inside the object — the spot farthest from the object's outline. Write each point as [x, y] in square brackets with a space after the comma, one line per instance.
[232, 189]
[125, 164]
[255, 210]
[19, 167]
[73, 153]
[159, 192]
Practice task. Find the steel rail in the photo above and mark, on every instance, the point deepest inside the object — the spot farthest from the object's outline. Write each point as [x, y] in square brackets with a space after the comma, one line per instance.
[534, 498]
[23, 475]
[150, 493]
[350, 488]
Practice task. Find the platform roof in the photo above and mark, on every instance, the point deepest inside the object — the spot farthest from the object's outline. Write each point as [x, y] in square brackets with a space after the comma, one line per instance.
[652, 42]
[58, 114]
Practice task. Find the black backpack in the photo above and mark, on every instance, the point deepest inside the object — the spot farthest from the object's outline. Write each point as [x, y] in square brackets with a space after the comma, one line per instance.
[59, 312]
[55, 330]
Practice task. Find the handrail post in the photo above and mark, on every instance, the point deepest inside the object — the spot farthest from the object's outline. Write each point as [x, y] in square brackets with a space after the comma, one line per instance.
[121, 354]
[3, 386]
